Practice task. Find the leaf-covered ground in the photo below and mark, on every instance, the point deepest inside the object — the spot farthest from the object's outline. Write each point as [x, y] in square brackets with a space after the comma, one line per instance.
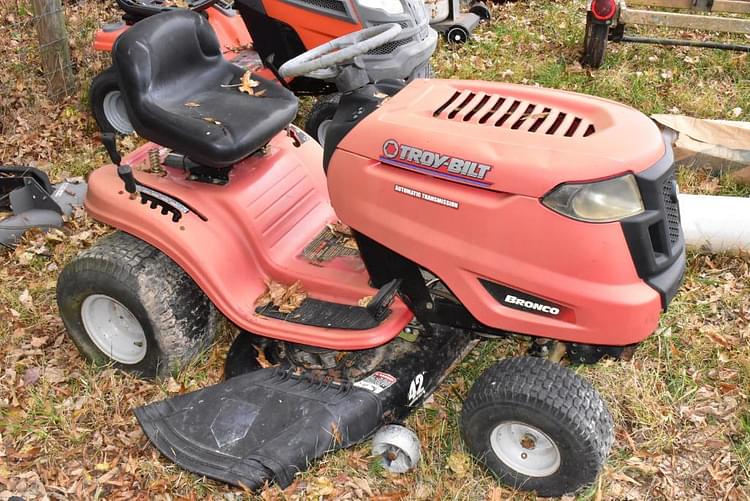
[680, 405]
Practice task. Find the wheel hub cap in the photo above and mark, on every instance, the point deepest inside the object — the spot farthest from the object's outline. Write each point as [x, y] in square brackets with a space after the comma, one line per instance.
[113, 329]
[322, 129]
[116, 113]
[526, 449]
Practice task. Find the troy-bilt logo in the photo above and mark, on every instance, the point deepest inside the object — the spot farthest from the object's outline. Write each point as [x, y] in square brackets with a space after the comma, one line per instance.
[435, 164]
[531, 305]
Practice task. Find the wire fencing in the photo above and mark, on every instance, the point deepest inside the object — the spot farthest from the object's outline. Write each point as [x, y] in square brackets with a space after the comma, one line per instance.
[35, 35]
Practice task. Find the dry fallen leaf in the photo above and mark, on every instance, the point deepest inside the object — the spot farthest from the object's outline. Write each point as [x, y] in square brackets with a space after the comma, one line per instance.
[55, 375]
[362, 484]
[320, 487]
[192, 104]
[496, 494]
[459, 463]
[25, 299]
[535, 116]
[391, 496]
[38, 342]
[286, 298]
[248, 84]
[336, 433]
[363, 302]
[173, 386]
[350, 243]
[31, 376]
[211, 120]
[339, 228]
[261, 358]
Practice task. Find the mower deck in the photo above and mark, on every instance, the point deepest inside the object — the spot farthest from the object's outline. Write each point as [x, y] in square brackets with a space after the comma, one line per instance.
[269, 424]
[34, 202]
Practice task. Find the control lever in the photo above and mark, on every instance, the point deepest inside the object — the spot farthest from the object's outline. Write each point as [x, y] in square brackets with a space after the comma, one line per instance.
[124, 172]
[275, 71]
[109, 141]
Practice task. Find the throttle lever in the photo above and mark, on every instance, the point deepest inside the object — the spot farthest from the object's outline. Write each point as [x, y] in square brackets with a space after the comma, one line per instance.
[109, 141]
[126, 174]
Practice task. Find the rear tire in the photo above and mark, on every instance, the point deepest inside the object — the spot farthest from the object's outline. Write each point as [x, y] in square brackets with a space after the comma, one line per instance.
[107, 104]
[320, 116]
[537, 426]
[457, 34]
[122, 294]
[481, 10]
[594, 42]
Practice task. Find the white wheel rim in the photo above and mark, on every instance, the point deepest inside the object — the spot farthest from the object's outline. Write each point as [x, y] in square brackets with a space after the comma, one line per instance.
[526, 449]
[116, 113]
[322, 129]
[456, 34]
[113, 329]
[398, 448]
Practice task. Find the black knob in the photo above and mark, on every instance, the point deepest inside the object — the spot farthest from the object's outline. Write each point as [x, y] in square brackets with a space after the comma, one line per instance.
[126, 174]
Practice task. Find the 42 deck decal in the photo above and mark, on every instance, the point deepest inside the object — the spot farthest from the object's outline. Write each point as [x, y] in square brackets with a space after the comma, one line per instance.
[435, 164]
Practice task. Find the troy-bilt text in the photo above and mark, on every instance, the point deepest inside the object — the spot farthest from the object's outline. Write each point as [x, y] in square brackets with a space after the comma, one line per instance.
[392, 150]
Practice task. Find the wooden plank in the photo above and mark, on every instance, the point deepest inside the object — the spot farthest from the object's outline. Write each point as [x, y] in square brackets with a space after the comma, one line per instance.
[690, 21]
[53, 47]
[727, 6]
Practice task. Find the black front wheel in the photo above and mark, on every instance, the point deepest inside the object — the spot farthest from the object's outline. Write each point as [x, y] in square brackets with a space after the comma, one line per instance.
[537, 426]
[107, 104]
[594, 42]
[320, 116]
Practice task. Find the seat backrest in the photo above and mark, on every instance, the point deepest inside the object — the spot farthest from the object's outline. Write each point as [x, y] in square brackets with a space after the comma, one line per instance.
[165, 58]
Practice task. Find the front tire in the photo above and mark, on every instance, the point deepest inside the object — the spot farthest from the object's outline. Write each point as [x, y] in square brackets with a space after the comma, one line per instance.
[107, 104]
[320, 116]
[125, 303]
[537, 426]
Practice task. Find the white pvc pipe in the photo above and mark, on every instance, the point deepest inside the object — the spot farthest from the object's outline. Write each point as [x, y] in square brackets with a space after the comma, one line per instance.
[715, 223]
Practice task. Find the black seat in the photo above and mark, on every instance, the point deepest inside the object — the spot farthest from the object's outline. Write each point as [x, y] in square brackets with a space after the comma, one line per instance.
[174, 81]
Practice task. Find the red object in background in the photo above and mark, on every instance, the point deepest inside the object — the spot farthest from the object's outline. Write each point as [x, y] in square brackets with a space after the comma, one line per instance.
[603, 10]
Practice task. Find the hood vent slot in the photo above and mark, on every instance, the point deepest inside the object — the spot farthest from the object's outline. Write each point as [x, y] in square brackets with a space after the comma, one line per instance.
[515, 114]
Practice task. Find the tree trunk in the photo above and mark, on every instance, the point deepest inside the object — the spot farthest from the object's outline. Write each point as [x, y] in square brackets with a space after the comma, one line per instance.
[53, 47]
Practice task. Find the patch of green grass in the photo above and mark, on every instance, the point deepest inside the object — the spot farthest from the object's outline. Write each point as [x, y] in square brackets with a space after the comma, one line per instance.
[742, 444]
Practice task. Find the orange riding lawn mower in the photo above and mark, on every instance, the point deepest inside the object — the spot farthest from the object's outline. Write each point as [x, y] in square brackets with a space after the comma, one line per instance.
[432, 215]
[261, 35]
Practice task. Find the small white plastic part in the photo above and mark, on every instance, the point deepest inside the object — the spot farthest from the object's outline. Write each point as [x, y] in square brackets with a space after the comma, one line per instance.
[398, 448]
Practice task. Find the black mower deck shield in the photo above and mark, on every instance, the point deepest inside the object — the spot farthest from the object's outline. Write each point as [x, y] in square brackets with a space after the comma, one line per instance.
[267, 425]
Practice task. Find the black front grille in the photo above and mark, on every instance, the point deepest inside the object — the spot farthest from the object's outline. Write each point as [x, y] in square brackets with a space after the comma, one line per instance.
[389, 47]
[671, 208]
[403, 24]
[654, 236]
[334, 5]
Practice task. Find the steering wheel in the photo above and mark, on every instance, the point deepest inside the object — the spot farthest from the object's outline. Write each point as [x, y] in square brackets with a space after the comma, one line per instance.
[204, 6]
[320, 62]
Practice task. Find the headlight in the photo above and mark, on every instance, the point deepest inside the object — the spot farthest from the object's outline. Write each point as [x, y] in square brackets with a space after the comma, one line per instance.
[599, 202]
[390, 6]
